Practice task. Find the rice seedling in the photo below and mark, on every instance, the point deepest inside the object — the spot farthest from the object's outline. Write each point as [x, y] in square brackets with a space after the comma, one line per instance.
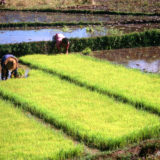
[93, 118]
[128, 85]
[22, 137]
[114, 32]
[86, 51]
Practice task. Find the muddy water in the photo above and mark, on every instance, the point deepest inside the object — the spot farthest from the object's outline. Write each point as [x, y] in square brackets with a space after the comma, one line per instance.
[17, 36]
[146, 59]
[19, 16]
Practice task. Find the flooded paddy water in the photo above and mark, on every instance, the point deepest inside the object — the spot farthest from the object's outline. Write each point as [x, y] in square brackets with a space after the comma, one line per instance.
[27, 16]
[113, 25]
[46, 34]
[146, 59]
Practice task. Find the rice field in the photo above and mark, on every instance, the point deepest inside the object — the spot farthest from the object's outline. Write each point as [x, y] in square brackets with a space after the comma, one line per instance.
[75, 106]
[22, 137]
[90, 117]
[128, 85]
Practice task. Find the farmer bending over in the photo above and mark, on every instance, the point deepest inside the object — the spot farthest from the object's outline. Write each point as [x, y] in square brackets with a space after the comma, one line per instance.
[61, 42]
[9, 63]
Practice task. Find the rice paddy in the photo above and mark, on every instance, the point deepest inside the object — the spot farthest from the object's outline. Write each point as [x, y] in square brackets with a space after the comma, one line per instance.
[90, 117]
[22, 137]
[75, 106]
[128, 85]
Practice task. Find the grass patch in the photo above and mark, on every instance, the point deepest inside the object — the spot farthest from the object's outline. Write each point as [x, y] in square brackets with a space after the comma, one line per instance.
[44, 24]
[93, 118]
[128, 85]
[22, 137]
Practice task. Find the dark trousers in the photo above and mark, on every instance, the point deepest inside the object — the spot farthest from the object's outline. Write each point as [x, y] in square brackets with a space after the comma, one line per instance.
[5, 73]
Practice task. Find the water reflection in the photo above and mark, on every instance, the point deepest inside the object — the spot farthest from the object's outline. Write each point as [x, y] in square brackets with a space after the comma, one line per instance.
[18, 16]
[143, 65]
[18, 36]
[146, 59]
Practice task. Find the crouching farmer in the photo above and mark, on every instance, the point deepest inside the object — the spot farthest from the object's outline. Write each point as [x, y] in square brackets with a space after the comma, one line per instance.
[61, 42]
[9, 63]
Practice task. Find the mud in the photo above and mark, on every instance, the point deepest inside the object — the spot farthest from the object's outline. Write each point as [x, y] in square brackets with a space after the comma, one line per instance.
[149, 149]
[146, 59]
[19, 16]
[147, 6]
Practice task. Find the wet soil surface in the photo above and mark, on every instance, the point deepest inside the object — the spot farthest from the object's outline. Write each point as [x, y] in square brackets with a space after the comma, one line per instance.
[146, 150]
[46, 34]
[146, 6]
[146, 59]
[19, 16]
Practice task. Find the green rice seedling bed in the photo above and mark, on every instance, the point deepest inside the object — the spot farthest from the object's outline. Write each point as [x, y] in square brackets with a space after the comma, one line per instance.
[129, 85]
[22, 137]
[93, 118]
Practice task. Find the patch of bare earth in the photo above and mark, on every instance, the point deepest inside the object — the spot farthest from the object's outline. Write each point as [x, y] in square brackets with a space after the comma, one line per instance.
[149, 149]
[146, 6]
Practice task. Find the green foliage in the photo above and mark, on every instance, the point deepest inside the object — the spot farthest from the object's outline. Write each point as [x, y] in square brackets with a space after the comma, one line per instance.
[134, 87]
[86, 51]
[114, 31]
[90, 117]
[65, 29]
[147, 38]
[21, 72]
[23, 137]
[89, 29]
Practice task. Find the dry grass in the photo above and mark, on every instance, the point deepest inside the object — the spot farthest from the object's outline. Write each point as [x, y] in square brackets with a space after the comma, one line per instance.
[115, 5]
[44, 3]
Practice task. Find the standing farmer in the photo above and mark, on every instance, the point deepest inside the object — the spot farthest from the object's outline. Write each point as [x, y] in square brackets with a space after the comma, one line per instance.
[9, 63]
[61, 42]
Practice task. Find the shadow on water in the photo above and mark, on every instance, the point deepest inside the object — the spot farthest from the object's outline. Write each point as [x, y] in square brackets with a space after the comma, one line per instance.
[146, 59]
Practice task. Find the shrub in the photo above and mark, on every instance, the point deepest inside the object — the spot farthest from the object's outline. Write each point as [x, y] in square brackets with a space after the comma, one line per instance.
[86, 51]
